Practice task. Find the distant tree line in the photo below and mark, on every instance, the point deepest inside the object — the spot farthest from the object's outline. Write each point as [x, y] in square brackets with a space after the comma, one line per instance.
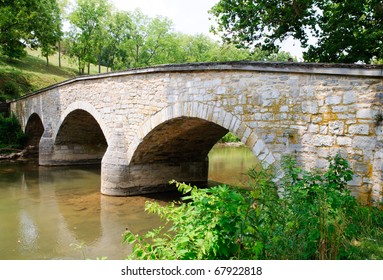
[95, 32]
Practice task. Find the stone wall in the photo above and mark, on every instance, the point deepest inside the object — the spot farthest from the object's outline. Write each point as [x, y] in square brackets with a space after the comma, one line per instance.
[310, 110]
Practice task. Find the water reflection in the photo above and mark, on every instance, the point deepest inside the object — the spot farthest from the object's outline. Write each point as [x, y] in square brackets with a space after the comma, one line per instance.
[59, 213]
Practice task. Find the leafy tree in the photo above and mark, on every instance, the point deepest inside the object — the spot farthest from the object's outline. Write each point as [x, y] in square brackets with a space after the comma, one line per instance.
[51, 34]
[85, 36]
[148, 39]
[117, 34]
[32, 23]
[63, 7]
[345, 30]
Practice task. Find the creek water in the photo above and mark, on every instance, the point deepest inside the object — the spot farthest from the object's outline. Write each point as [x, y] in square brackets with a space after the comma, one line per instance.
[59, 213]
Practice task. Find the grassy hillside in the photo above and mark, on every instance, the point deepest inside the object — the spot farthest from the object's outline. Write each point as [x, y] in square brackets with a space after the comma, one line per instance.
[19, 77]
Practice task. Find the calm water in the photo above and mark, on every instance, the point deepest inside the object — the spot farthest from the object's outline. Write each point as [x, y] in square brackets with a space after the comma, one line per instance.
[59, 213]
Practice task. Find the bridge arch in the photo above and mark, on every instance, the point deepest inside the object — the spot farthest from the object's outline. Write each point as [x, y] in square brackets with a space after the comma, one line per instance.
[34, 129]
[200, 114]
[80, 137]
[87, 107]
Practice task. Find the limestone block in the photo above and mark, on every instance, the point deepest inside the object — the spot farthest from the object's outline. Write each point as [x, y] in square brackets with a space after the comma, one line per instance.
[313, 128]
[359, 129]
[364, 143]
[344, 141]
[357, 180]
[349, 97]
[336, 127]
[258, 147]
[365, 113]
[333, 100]
[310, 107]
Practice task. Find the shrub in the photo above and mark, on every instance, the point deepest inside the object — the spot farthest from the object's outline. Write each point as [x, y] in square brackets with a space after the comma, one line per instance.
[11, 134]
[229, 138]
[312, 217]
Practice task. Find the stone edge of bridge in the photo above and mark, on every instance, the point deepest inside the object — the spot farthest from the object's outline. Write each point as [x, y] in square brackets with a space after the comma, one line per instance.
[365, 70]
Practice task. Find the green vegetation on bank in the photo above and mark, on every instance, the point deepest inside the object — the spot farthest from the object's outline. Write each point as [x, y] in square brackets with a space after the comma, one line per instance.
[230, 138]
[11, 135]
[314, 217]
[21, 76]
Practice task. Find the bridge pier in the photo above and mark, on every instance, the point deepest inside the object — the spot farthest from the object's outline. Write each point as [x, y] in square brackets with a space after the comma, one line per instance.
[123, 180]
[71, 154]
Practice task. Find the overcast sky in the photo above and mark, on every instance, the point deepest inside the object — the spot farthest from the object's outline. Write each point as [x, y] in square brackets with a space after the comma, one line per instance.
[188, 16]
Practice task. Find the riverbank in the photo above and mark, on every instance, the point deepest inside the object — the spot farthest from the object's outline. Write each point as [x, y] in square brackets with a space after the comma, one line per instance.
[11, 154]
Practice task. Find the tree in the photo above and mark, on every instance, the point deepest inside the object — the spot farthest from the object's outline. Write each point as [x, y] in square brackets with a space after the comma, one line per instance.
[85, 35]
[345, 30]
[31, 23]
[148, 39]
[51, 33]
[63, 5]
[117, 33]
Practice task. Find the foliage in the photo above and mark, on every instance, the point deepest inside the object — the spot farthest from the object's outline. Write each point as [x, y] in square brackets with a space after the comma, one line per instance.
[11, 135]
[120, 40]
[307, 216]
[229, 138]
[117, 32]
[85, 35]
[32, 23]
[148, 39]
[341, 30]
[12, 85]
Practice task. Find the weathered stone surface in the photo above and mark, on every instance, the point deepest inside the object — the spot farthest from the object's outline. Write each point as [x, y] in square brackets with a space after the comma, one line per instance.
[155, 124]
[359, 129]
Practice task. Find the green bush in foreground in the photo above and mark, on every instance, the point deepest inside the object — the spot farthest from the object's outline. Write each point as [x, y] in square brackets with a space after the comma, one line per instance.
[314, 217]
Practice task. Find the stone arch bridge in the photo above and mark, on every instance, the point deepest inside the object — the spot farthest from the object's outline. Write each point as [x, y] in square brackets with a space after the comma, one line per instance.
[148, 126]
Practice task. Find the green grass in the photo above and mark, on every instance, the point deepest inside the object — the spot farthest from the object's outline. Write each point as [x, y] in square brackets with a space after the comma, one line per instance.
[31, 73]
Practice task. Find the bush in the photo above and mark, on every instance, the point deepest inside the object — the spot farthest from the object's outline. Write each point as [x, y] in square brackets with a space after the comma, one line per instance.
[11, 134]
[312, 217]
[229, 138]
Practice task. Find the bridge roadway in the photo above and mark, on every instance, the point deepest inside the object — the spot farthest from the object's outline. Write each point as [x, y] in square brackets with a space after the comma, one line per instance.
[150, 125]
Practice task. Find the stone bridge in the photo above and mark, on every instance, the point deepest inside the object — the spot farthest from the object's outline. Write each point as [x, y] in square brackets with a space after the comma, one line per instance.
[148, 126]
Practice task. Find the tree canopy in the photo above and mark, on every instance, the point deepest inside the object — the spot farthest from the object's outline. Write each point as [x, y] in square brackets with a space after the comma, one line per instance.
[97, 33]
[340, 30]
[32, 23]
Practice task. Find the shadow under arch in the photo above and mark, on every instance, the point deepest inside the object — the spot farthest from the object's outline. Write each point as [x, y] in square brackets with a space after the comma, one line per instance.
[174, 145]
[205, 117]
[34, 130]
[80, 137]
[87, 107]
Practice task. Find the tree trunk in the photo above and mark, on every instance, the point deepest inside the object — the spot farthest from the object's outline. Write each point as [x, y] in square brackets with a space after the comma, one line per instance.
[99, 63]
[59, 54]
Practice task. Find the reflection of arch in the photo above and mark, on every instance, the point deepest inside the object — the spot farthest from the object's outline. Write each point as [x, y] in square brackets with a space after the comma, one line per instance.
[83, 106]
[206, 114]
[34, 129]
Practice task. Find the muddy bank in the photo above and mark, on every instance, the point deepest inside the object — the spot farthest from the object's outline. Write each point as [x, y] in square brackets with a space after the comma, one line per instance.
[29, 152]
